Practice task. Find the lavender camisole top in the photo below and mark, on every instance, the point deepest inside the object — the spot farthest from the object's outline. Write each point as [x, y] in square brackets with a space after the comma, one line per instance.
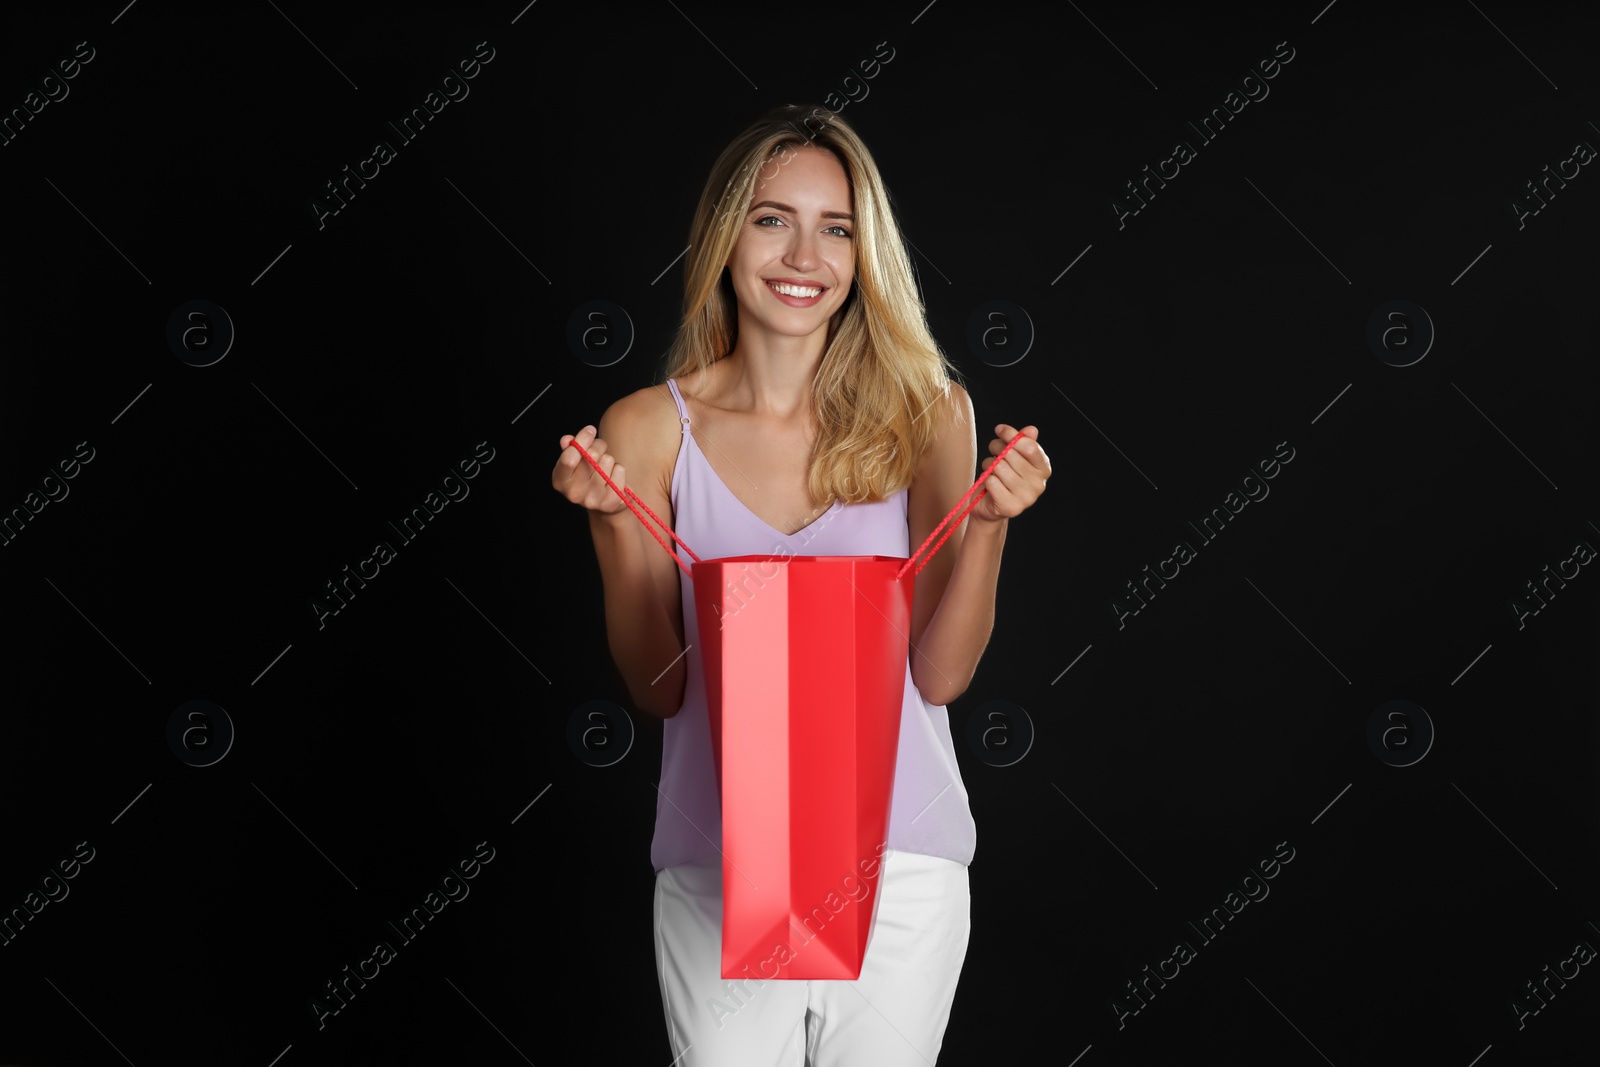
[929, 812]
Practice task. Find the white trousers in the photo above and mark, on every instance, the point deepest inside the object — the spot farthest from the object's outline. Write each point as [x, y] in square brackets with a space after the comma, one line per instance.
[894, 1015]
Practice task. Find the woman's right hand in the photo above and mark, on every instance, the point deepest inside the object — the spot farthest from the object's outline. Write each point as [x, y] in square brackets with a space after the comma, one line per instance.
[576, 479]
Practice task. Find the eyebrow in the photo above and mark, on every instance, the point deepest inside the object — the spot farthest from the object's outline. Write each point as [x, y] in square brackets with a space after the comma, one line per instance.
[785, 207]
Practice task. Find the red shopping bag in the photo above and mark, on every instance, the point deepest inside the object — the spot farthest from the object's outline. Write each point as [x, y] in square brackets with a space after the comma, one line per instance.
[805, 677]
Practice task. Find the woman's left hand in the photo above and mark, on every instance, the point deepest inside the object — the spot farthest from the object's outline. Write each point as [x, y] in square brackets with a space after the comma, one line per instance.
[1017, 480]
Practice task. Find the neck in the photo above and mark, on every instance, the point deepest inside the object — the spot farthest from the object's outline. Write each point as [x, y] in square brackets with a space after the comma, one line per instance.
[771, 374]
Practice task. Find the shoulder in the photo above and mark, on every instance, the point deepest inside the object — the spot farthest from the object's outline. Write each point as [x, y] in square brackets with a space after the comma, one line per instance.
[944, 472]
[953, 428]
[957, 408]
[642, 431]
[650, 408]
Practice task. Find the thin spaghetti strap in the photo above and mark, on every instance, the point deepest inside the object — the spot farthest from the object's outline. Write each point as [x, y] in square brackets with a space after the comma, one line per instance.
[677, 398]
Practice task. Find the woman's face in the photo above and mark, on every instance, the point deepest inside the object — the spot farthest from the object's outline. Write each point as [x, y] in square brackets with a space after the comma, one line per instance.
[798, 234]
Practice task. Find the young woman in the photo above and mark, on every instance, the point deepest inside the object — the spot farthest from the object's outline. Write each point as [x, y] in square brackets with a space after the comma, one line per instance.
[807, 410]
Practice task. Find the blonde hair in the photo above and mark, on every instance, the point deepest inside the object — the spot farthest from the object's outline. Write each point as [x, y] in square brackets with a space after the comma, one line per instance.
[882, 370]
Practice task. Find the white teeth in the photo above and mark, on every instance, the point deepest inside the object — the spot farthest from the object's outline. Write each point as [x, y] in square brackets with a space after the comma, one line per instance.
[794, 290]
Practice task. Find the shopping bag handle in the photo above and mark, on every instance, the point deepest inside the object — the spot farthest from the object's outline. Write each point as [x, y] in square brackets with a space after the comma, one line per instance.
[988, 471]
[961, 506]
[625, 494]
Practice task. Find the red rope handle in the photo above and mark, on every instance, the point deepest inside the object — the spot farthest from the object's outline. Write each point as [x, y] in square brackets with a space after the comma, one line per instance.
[961, 506]
[955, 509]
[629, 492]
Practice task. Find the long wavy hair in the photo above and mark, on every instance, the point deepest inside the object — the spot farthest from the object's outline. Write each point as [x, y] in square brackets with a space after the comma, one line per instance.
[874, 393]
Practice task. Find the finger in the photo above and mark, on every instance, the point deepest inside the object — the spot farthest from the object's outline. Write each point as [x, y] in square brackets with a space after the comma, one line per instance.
[595, 447]
[596, 485]
[997, 472]
[1007, 431]
[1029, 449]
[999, 492]
[1012, 440]
[616, 474]
[1019, 478]
[1028, 446]
[571, 458]
[597, 453]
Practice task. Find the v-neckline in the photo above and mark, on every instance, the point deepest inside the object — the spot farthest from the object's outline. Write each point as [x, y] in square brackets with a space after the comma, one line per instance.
[689, 433]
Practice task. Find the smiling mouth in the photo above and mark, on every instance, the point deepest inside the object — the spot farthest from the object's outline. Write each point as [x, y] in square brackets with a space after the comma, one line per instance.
[800, 292]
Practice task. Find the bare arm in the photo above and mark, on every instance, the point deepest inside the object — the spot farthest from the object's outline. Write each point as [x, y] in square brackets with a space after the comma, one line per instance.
[642, 629]
[643, 614]
[953, 610]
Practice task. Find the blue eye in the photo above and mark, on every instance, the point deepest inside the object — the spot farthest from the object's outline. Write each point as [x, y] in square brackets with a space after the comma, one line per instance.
[773, 218]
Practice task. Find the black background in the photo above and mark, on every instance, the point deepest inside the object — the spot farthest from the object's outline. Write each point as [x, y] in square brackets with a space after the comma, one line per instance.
[376, 350]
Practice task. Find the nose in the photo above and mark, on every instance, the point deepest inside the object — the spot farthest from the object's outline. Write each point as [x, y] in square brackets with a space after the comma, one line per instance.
[802, 253]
